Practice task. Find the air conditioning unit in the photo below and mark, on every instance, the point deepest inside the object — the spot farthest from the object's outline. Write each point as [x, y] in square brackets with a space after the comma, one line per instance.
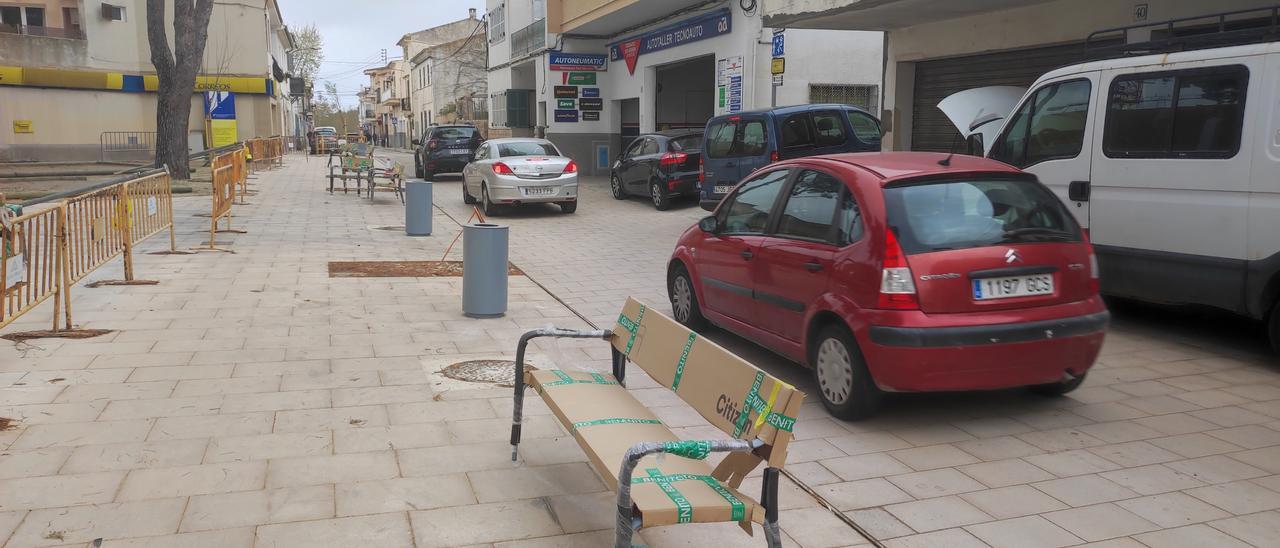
[112, 12]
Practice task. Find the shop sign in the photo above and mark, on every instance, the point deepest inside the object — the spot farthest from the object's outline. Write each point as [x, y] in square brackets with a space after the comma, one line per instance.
[566, 92]
[591, 116]
[580, 78]
[778, 66]
[23, 126]
[590, 92]
[559, 60]
[566, 116]
[565, 104]
[693, 29]
[591, 104]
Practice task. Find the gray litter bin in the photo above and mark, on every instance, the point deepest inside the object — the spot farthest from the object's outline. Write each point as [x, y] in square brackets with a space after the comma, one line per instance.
[417, 208]
[484, 270]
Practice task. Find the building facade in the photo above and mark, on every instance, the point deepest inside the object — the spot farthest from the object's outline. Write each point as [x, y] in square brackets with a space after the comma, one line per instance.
[934, 49]
[67, 90]
[390, 90]
[590, 74]
[444, 63]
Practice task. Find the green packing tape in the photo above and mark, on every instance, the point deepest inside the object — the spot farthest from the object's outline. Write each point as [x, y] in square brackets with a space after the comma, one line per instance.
[780, 421]
[737, 510]
[599, 422]
[596, 378]
[631, 327]
[684, 510]
[748, 404]
[697, 450]
[684, 356]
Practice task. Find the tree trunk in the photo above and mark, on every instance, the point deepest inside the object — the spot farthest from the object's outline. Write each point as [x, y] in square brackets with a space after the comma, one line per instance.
[176, 71]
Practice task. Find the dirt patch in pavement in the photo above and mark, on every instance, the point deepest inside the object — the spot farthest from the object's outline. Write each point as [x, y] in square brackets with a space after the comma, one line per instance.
[7, 423]
[402, 269]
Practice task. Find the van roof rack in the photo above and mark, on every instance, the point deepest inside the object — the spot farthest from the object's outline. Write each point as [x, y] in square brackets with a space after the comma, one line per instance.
[1228, 28]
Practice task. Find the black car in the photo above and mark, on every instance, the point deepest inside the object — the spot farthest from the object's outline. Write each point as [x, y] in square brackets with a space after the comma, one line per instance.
[662, 166]
[445, 149]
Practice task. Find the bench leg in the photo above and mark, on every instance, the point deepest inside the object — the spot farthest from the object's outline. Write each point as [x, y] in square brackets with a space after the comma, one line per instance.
[517, 414]
[620, 367]
[769, 500]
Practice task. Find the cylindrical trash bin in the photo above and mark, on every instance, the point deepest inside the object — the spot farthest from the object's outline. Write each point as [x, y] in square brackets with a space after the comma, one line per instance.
[417, 208]
[484, 270]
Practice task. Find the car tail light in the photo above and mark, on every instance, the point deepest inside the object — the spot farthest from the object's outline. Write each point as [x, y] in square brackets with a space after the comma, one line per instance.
[702, 175]
[897, 285]
[672, 159]
[571, 167]
[502, 169]
[773, 156]
[432, 144]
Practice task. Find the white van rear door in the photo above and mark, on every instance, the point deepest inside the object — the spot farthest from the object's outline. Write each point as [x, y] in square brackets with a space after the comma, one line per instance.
[1051, 134]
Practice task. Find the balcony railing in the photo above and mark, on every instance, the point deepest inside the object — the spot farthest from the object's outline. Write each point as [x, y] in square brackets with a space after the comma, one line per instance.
[529, 39]
[52, 32]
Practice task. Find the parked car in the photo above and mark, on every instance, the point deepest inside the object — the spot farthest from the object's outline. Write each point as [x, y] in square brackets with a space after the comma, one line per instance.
[326, 139]
[895, 272]
[444, 148]
[737, 144]
[515, 171]
[1172, 163]
[663, 166]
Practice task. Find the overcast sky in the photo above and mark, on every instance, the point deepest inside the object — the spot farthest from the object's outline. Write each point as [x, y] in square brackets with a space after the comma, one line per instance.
[356, 31]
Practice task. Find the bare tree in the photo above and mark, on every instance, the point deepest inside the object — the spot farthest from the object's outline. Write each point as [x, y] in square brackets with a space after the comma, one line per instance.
[176, 70]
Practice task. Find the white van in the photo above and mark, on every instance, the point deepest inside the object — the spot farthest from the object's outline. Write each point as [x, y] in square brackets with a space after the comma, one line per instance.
[1172, 161]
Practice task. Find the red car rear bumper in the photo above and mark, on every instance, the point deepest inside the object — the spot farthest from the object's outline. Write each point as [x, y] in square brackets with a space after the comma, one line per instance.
[983, 356]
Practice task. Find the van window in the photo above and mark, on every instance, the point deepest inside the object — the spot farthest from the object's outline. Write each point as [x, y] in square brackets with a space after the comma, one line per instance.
[797, 131]
[749, 208]
[866, 128]
[752, 140]
[830, 129]
[720, 139]
[810, 207]
[1195, 113]
[1049, 126]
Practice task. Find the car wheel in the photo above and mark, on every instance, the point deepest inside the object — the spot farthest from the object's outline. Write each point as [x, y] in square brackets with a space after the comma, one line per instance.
[684, 302]
[1058, 388]
[568, 207]
[844, 384]
[1273, 327]
[615, 185]
[661, 201]
[467, 198]
[490, 208]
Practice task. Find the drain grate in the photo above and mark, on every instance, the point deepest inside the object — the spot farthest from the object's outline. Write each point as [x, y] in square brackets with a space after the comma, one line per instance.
[497, 372]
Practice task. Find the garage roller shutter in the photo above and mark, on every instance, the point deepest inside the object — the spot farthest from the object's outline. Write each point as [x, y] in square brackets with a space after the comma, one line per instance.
[937, 79]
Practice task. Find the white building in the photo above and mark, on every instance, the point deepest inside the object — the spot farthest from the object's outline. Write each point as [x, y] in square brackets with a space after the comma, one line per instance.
[591, 73]
[937, 47]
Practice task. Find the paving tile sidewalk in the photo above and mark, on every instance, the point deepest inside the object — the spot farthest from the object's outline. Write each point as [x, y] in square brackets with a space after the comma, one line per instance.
[251, 400]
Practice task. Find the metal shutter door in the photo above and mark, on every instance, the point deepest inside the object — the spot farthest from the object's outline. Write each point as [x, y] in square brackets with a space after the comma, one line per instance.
[935, 80]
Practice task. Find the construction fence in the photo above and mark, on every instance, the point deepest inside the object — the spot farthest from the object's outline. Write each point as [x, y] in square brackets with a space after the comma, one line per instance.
[266, 152]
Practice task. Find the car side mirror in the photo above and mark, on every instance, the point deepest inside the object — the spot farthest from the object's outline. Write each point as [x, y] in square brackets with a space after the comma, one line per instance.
[709, 224]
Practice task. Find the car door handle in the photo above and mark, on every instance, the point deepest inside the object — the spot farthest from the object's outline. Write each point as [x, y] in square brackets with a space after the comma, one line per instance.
[747, 254]
[813, 266]
[1078, 191]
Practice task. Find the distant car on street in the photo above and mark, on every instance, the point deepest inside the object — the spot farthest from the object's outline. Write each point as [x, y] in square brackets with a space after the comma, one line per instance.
[326, 139]
[735, 145]
[444, 148]
[515, 171]
[662, 166]
[898, 272]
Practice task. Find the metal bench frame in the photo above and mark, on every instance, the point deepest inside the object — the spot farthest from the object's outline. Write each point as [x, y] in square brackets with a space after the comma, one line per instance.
[627, 522]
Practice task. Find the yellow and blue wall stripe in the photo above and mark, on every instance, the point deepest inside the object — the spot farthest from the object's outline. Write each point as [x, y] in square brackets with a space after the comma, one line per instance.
[116, 81]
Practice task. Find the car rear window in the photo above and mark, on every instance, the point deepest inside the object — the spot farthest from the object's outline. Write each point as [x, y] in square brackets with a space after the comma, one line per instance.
[688, 143]
[938, 216]
[454, 132]
[528, 148]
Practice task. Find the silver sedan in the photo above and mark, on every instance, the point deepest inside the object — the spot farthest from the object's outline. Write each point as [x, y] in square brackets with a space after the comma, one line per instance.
[514, 171]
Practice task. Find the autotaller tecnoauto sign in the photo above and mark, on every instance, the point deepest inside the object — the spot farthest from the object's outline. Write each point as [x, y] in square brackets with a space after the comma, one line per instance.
[701, 27]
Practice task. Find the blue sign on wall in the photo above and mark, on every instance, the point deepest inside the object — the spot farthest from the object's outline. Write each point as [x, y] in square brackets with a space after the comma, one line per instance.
[566, 116]
[779, 44]
[559, 60]
[702, 27]
[590, 92]
[220, 105]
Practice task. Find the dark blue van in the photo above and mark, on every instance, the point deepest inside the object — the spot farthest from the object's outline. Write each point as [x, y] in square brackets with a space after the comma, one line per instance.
[734, 145]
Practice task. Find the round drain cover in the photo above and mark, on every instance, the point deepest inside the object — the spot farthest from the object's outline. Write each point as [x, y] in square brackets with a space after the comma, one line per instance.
[499, 372]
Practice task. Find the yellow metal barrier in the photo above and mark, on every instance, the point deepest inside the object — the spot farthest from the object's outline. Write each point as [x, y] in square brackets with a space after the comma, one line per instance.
[32, 265]
[225, 182]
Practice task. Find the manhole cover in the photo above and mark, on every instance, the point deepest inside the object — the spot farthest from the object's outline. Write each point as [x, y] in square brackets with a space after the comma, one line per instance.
[499, 372]
[389, 228]
[400, 269]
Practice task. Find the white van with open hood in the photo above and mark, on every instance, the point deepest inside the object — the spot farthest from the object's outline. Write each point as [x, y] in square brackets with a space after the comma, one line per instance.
[1172, 162]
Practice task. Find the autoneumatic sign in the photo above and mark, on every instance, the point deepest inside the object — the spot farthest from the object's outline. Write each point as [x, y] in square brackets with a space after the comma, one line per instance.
[693, 29]
[559, 60]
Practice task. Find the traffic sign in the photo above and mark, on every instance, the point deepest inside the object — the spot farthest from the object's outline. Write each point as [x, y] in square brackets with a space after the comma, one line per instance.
[778, 66]
[777, 79]
[779, 44]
